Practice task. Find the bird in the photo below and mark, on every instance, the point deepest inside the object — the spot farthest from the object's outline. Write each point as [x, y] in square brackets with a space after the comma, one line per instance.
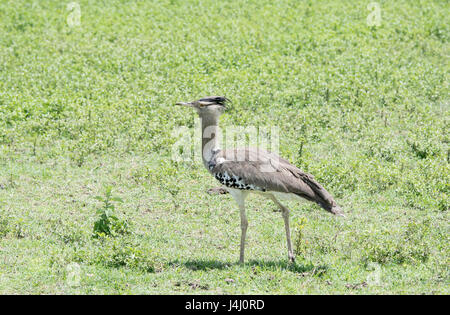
[242, 171]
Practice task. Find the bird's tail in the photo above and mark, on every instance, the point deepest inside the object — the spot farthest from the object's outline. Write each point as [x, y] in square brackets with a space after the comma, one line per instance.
[321, 195]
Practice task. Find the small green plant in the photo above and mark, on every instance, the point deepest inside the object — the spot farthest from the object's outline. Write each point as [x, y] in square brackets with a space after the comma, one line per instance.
[300, 243]
[108, 224]
[131, 257]
[121, 252]
[4, 227]
[11, 226]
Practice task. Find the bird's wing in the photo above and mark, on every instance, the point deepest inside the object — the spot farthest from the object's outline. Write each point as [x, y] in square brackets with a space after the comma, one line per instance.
[265, 171]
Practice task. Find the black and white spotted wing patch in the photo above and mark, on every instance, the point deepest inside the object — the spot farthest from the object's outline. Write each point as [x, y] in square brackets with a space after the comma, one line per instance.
[234, 181]
[243, 175]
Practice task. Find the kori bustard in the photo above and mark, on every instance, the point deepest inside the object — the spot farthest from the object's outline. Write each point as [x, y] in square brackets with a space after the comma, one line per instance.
[245, 170]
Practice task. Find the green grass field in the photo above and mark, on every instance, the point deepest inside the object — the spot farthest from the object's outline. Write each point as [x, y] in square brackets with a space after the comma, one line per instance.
[89, 105]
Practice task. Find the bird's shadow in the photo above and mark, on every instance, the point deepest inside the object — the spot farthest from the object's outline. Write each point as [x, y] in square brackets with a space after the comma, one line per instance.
[202, 264]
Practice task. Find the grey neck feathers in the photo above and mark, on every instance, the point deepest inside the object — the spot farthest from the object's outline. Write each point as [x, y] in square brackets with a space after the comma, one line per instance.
[210, 138]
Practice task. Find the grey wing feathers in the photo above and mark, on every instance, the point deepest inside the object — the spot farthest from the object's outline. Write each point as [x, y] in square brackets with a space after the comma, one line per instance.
[320, 195]
[266, 171]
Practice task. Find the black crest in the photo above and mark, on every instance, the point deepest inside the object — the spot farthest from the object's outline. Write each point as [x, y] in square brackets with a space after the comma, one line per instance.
[211, 100]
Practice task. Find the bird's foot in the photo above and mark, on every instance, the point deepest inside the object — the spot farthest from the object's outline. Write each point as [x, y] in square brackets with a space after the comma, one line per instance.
[291, 258]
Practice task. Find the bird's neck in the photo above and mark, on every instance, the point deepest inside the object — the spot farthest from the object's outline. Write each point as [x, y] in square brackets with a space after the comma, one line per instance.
[210, 138]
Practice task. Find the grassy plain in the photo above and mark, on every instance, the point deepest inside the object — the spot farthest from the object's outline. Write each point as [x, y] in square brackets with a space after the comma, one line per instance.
[365, 109]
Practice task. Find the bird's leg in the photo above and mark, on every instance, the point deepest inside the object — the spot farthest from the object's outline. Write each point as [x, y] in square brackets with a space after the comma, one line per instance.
[244, 225]
[240, 196]
[285, 213]
[288, 234]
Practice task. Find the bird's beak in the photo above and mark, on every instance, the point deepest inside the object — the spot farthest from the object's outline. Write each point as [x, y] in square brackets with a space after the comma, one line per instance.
[184, 104]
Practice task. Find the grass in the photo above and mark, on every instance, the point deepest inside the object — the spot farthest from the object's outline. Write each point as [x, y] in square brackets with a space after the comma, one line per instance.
[86, 107]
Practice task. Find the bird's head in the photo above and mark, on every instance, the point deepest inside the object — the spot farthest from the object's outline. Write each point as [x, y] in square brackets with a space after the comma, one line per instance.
[208, 106]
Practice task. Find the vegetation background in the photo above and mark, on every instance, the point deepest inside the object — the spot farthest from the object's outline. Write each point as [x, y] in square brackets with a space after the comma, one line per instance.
[90, 201]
